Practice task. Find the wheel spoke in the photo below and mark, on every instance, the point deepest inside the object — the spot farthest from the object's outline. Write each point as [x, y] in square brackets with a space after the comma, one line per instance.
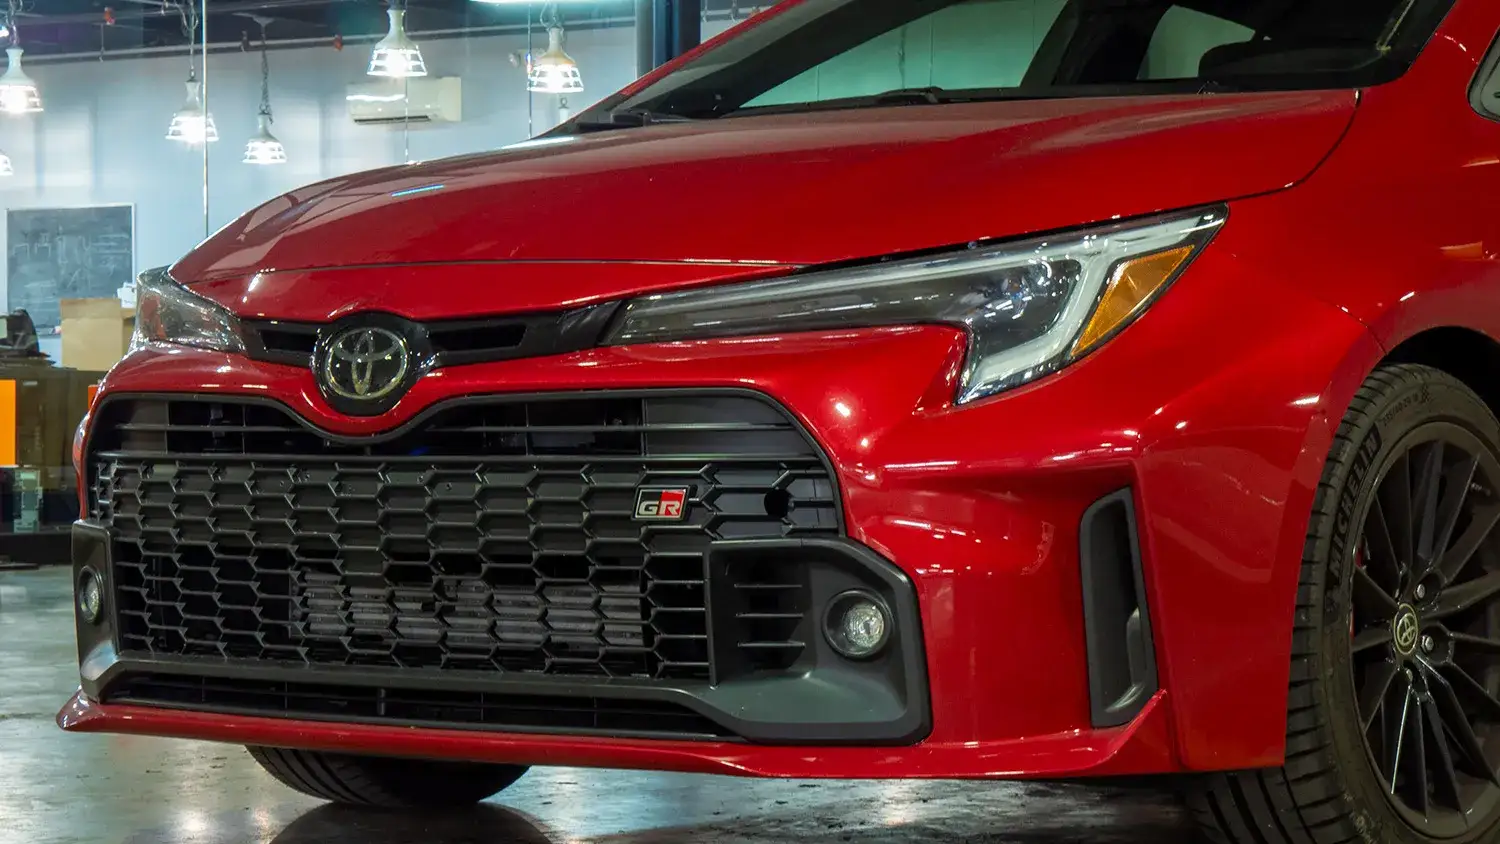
[1442, 758]
[1393, 710]
[1406, 700]
[1429, 488]
[1372, 695]
[1395, 493]
[1382, 558]
[1373, 638]
[1469, 750]
[1417, 788]
[1456, 481]
[1466, 596]
[1370, 599]
[1466, 686]
[1468, 641]
[1453, 561]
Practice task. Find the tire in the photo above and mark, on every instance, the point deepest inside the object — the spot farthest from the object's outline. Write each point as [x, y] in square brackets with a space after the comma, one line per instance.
[384, 781]
[1331, 789]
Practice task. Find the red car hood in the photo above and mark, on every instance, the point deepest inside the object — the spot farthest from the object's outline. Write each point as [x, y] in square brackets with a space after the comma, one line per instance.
[793, 189]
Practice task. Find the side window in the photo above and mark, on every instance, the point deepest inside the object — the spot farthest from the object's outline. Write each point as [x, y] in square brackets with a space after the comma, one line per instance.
[976, 44]
[1181, 40]
[1486, 94]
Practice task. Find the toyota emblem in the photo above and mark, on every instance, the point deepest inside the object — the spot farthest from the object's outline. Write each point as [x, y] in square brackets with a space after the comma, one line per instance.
[1406, 629]
[365, 364]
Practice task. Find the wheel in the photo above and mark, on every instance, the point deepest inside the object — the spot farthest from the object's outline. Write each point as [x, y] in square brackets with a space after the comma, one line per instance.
[384, 781]
[1393, 725]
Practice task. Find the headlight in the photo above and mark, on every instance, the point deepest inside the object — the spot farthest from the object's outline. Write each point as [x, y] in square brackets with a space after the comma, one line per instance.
[1029, 307]
[167, 312]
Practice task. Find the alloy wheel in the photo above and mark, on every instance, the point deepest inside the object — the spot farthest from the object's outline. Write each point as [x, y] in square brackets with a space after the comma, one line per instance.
[1425, 631]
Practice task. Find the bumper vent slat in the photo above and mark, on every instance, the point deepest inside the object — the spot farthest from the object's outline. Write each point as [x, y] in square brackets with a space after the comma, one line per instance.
[478, 710]
[495, 535]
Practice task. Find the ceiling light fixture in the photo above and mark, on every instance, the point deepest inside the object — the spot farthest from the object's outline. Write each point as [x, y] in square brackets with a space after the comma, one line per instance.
[396, 55]
[264, 148]
[191, 125]
[554, 72]
[18, 94]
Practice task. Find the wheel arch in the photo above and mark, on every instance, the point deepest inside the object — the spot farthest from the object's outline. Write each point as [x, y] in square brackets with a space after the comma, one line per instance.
[1471, 356]
[1465, 353]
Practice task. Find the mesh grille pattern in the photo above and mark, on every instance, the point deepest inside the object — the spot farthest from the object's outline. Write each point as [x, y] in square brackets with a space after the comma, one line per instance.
[496, 535]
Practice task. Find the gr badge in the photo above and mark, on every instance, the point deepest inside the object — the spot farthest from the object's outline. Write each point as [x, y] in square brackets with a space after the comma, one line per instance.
[661, 505]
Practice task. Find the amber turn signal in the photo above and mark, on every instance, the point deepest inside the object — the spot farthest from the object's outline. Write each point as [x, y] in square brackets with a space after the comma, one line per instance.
[1131, 286]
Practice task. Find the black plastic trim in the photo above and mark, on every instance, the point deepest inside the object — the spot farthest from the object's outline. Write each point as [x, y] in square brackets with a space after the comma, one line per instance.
[541, 334]
[124, 690]
[1489, 72]
[819, 703]
[91, 550]
[1116, 613]
[254, 334]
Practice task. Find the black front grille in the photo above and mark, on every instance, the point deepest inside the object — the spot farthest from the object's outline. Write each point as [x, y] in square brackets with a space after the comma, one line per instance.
[492, 535]
[509, 712]
[450, 342]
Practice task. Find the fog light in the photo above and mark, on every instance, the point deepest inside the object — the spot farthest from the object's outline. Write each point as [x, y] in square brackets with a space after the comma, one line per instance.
[90, 596]
[857, 625]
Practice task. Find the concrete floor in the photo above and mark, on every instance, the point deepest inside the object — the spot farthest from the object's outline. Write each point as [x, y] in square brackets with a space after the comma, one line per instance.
[57, 788]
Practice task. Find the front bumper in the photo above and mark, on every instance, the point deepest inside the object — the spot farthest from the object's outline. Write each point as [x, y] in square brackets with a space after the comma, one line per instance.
[979, 508]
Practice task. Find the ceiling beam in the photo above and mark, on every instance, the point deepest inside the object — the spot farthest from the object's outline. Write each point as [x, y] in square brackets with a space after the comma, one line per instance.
[219, 8]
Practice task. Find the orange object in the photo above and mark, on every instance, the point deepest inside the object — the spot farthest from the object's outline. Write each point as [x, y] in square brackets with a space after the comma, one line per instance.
[8, 423]
[1131, 287]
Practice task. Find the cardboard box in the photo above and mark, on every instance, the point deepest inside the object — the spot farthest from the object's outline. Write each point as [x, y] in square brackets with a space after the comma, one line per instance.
[95, 333]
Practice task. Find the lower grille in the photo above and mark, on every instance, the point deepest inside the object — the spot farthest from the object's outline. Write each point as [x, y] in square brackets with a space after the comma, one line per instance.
[496, 535]
[517, 713]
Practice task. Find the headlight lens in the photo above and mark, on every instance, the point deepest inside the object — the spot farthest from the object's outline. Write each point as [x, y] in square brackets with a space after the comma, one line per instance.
[1030, 307]
[167, 312]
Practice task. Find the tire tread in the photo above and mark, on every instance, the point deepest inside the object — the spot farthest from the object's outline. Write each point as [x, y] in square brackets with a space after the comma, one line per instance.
[382, 781]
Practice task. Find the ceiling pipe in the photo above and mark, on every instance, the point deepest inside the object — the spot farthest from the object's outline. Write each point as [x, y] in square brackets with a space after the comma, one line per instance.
[319, 41]
[155, 11]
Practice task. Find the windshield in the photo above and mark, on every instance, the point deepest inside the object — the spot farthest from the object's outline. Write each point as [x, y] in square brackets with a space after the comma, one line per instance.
[823, 54]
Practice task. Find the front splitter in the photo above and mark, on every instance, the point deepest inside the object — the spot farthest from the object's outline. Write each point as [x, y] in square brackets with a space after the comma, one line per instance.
[1142, 747]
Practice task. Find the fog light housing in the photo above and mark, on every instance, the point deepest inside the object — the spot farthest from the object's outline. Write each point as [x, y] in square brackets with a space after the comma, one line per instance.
[90, 596]
[857, 624]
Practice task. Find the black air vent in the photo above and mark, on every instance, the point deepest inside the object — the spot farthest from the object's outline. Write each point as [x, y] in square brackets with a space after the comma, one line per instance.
[477, 710]
[770, 611]
[1117, 621]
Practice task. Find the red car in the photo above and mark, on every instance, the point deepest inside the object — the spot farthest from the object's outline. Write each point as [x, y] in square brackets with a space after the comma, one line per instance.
[890, 388]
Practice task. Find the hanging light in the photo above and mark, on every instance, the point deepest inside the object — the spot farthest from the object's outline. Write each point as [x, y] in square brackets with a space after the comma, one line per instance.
[18, 94]
[191, 125]
[5, 168]
[396, 55]
[554, 72]
[264, 148]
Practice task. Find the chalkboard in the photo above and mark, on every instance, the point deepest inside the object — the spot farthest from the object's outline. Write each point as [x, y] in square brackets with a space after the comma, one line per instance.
[67, 253]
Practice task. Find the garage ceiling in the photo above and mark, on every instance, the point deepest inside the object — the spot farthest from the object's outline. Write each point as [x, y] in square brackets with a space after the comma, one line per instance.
[72, 27]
